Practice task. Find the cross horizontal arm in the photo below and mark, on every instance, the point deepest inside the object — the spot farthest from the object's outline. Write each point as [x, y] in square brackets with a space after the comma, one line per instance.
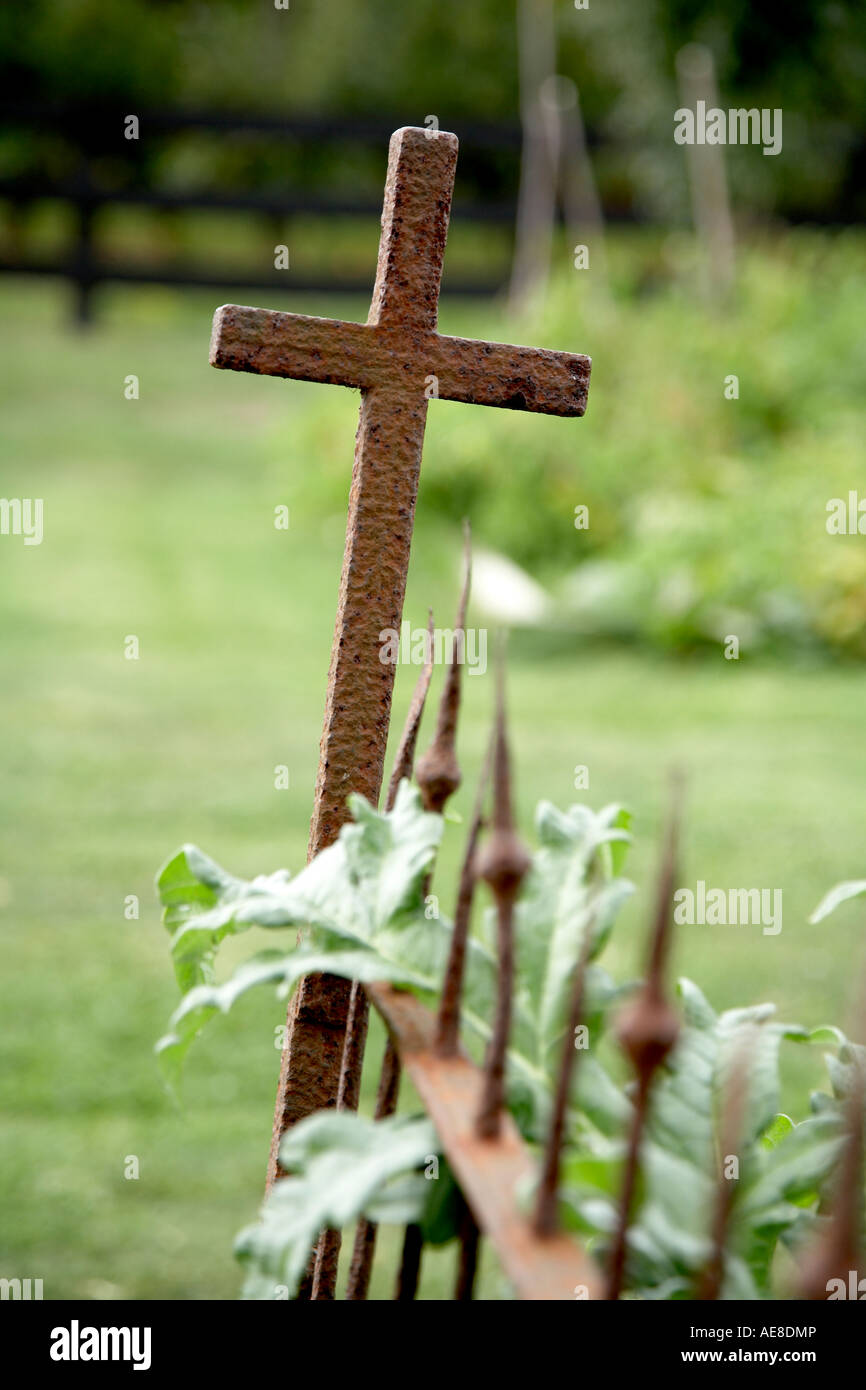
[291, 345]
[368, 355]
[515, 378]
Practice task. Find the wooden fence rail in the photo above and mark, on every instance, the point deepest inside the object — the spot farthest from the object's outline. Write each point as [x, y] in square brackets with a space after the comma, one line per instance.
[488, 197]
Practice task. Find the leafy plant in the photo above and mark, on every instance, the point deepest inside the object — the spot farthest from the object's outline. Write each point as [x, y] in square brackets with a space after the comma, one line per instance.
[783, 1167]
[360, 909]
[342, 1167]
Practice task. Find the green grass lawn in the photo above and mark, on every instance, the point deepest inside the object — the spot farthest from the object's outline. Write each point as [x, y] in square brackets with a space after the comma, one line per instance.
[159, 524]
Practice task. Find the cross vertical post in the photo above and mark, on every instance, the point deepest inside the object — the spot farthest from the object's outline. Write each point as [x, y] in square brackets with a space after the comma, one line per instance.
[379, 527]
[399, 361]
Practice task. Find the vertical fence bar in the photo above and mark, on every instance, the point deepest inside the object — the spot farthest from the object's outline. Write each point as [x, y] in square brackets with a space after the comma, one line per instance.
[647, 1030]
[82, 260]
[365, 1235]
[503, 863]
[410, 1265]
[545, 1207]
[467, 1265]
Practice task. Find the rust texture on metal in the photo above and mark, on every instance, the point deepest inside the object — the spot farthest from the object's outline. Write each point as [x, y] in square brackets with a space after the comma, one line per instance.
[409, 1273]
[491, 1109]
[491, 1172]
[503, 863]
[736, 1091]
[405, 755]
[324, 1268]
[548, 1186]
[467, 1264]
[438, 772]
[328, 1252]
[438, 777]
[372, 356]
[399, 361]
[647, 1031]
[365, 1234]
[448, 1017]
[353, 1050]
[372, 585]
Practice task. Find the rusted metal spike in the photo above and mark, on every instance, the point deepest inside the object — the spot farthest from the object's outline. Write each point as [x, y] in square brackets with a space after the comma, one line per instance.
[365, 1234]
[324, 1274]
[661, 934]
[438, 772]
[348, 1094]
[839, 1249]
[546, 1200]
[327, 1256]
[410, 1265]
[467, 1265]
[731, 1131]
[328, 1251]
[503, 863]
[616, 1268]
[356, 1027]
[438, 776]
[405, 755]
[448, 1019]
[325, 1264]
[647, 1030]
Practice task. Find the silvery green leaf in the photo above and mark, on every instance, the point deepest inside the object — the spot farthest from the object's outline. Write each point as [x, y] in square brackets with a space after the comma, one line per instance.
[278, 968]
[341, 1167]
[840, 894]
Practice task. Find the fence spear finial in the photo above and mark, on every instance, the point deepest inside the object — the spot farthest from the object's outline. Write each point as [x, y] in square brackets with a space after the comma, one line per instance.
[546, 1200]
[647, 1030]
[448, 1019]
[503, 863]
[736, 1093]
[405, 755]
[438, 772]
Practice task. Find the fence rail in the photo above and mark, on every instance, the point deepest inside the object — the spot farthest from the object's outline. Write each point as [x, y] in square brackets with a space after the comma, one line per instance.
[80, 132]
[86, 265]
[491, 1173]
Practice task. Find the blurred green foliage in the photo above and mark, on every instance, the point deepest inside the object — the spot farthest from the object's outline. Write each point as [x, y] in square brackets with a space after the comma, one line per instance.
[459, 61]
[707, 515]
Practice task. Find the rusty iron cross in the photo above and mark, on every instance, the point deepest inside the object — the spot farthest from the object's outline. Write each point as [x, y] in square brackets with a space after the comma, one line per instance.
[399, 361]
